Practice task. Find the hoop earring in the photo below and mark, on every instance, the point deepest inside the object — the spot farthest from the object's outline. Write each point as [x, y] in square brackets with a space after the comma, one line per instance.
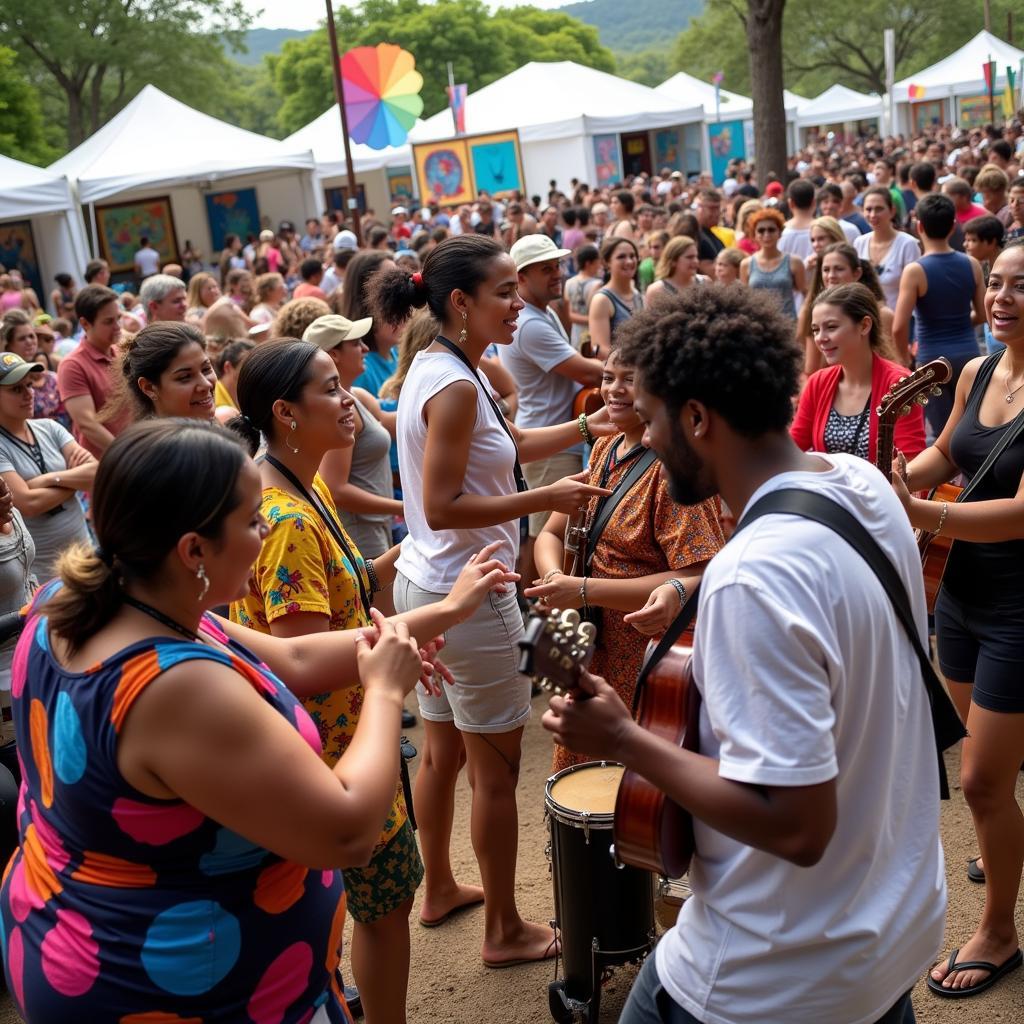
[294, 451]
[204, 582]
[463, 334]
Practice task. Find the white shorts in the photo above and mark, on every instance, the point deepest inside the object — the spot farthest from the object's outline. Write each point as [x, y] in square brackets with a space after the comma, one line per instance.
[489, 694]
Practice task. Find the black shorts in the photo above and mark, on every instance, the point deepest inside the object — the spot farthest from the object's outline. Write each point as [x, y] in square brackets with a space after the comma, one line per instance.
[983, 646]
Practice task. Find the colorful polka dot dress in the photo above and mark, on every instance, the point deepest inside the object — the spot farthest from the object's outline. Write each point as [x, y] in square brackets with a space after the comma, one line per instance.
[121, 908]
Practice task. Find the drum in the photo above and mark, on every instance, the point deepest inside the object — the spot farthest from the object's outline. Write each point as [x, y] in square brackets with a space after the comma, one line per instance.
[604, 912]
[672, 893]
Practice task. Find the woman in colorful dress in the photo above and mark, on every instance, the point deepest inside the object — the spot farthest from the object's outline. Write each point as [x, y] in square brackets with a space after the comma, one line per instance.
[310, 578]
[179, 833]
[649, 543]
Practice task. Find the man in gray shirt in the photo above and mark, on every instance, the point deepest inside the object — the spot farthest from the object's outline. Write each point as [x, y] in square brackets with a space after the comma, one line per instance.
[548, 371]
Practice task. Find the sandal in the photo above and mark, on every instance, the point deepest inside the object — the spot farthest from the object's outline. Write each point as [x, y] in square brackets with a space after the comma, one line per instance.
[975, 873]
[995, 973]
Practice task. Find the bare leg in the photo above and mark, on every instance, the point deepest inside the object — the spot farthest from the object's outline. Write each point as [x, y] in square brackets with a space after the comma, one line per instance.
[991, 760]
[380, 964]
[434, 801]
[493, 774]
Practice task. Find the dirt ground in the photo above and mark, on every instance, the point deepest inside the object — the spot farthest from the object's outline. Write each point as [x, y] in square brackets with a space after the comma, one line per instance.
[450, 985]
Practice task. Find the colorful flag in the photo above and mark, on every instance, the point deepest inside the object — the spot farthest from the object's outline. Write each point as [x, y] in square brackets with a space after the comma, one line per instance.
[1009, 94]
[457, 101]
[989, 70]
[915, 92]
[718, 77]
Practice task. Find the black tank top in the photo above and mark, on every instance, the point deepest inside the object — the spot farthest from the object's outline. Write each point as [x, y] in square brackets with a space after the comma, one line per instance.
[986, 575]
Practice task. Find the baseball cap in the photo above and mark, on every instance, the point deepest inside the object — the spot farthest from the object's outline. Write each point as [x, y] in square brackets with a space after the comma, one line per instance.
[532, 249]
[399, 211]
[599, 208]
[774, 188]
[677, 175]
[266, 235]
[14, 369]
[345, 240]
[331, 330]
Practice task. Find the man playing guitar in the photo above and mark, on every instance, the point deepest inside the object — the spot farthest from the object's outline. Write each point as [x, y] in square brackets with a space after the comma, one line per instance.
[818, 880]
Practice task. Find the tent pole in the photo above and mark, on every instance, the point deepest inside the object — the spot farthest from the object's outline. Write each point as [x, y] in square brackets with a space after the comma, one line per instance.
[353, 192]
[93, 230]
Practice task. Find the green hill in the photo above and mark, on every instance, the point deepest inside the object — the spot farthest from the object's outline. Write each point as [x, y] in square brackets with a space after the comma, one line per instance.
[648, 24]
[261, 41]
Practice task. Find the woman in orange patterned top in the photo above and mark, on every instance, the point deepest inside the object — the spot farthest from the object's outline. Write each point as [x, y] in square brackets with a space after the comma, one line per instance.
[311, 578]
[649, 545]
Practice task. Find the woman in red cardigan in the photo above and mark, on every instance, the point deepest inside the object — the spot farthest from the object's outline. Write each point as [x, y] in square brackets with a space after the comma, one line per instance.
[837, 411]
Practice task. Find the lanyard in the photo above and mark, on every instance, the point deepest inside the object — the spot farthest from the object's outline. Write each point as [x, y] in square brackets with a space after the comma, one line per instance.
[517, 469]
[34, 452]
[330, 522]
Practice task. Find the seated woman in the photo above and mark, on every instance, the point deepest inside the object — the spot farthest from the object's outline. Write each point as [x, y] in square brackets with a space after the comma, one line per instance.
[650, 542]
[164, 371]
[190, 776]
[838, 408]
[310, 578]
[43, 466]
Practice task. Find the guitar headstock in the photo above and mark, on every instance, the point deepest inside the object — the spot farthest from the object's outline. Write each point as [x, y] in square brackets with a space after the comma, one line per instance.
[917, 387]
[556, 648]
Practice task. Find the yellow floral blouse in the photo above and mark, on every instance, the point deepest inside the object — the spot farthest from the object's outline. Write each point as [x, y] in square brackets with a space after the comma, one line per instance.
[302, 568]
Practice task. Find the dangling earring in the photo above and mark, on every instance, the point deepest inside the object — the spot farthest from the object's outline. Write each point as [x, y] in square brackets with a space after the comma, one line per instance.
[294, 451]
[463, 334]
[204, 581]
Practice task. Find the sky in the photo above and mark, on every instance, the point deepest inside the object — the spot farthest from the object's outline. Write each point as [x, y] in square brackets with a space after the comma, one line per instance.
[306, 14]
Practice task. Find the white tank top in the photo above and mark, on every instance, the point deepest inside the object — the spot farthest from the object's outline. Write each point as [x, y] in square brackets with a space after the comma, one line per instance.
[433, 559]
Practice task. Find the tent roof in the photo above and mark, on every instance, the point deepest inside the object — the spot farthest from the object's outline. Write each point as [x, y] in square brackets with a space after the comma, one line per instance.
[685, 88]
[961, 72]
[558, 100]
[838, 104]
[159, 141]
[29, 191]
[323, 137]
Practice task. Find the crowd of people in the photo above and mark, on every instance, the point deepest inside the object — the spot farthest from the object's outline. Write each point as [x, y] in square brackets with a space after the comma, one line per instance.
[256, 502]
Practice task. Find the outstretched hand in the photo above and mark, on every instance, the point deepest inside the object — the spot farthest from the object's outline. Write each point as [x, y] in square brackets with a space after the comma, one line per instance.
[481, 575]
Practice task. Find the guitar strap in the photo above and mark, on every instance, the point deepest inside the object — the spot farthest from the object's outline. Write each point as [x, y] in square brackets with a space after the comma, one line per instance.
[607, 506]
[679, 626]
[946, 724]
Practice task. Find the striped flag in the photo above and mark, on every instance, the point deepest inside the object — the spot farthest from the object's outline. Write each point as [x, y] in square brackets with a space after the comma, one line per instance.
[915, 92]
[457, 101]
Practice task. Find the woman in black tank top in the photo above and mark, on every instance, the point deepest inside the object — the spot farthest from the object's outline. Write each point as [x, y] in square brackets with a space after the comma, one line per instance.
[979, 616]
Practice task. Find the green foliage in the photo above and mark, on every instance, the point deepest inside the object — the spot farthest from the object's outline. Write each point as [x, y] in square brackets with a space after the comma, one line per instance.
[482, 48]
[22, 135]
[251, 103]
[648, 67]
[637, 25]
[258, 43]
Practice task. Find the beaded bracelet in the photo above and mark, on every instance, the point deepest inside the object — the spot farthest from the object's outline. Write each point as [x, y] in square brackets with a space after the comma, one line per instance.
[942, 518]
[680, 589]
[371, 575]
[585, 429]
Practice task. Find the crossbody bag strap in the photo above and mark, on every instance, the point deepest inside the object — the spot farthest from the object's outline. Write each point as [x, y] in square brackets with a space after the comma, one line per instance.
[608, 505]
[330, 522]
[946, 723]
[517, 469]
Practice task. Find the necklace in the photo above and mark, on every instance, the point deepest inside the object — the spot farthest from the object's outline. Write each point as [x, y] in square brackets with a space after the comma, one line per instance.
[165, 620]
[1010, 394]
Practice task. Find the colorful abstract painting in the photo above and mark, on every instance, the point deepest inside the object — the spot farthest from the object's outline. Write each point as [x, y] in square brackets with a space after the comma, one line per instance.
[667, 152]
[497, 165]
[607, 160]
[443, 172]
[400, 185]
[232, 213]
[18, 252]
[726, 142]
[121, 226]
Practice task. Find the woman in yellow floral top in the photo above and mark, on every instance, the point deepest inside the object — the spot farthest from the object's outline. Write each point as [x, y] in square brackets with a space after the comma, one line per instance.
[310, 578]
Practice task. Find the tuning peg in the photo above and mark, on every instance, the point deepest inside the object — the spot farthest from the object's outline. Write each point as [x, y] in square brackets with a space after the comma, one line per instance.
[921, 399]
[905, 410]
[902, 379]
[878, 411]
[588, 631]
[936, 390]
[549, 627]
[571, 617]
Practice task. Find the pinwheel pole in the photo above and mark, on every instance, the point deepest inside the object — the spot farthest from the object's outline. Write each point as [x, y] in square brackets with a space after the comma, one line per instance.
[353, 193]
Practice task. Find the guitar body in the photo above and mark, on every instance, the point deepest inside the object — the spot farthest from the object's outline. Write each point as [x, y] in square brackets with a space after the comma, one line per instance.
[651, 831]
[587, 401]
[935, 550]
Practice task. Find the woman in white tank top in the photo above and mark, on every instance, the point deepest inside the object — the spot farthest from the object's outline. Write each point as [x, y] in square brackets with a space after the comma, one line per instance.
[459, 470]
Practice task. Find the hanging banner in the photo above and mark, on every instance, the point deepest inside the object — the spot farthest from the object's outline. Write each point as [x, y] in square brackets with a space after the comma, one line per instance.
[457, 101]
[726, 142]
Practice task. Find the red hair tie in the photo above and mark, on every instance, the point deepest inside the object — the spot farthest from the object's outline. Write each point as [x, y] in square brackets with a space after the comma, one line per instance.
[417, 279]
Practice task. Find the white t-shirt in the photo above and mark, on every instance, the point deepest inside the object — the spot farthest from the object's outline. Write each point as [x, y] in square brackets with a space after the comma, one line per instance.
[796, 242]
[147, 262]
[807, 676]
[850, 230]
[433, 559]
[904, 250]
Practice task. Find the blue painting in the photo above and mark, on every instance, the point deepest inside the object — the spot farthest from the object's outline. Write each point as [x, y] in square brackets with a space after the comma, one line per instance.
[726, 142]
[232, 213]
[496, 166]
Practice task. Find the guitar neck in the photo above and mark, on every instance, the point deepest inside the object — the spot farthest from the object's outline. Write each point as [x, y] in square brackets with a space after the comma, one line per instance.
[886, 445]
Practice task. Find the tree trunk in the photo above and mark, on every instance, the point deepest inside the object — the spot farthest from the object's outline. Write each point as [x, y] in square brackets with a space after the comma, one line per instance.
[76, 122]
[764, 40]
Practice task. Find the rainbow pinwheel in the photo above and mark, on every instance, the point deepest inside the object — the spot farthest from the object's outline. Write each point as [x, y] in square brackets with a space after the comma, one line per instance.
[381, 87]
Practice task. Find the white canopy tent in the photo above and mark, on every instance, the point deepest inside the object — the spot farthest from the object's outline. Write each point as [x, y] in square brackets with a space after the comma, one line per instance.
[959, 75]
[158, 145]
[558, 108]
[323, 137]
[45, 200]
[839, 105]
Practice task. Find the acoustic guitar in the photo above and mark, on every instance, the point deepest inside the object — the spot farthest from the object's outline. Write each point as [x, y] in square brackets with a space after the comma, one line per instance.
[651, 831]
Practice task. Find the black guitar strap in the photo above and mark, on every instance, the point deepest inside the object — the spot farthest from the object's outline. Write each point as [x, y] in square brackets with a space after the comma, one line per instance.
[679, 626]
[607, 506]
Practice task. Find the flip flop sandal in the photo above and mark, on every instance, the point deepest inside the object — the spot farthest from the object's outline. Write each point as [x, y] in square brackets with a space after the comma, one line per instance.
[455, 911]
[975, 873]
[995, 973]
[552, 949]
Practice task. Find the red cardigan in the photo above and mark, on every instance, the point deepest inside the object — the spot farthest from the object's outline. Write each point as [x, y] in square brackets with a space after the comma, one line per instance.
[808, 429]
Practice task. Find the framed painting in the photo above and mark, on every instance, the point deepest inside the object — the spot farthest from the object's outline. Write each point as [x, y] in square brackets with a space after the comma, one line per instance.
[18, 252]
[400, 186]
[232, 213]
[443, 172]
[726, 141]
[121, 226]
[667, 151]
[337, 199]
[607, 160]
[496, 163]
